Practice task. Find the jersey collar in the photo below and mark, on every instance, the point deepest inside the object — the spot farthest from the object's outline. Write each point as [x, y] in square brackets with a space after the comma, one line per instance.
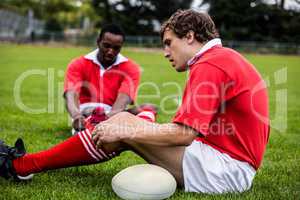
[93, 57]
[207, 46]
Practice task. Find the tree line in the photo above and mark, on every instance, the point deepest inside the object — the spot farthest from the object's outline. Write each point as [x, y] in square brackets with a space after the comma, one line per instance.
[247, 20]
[250, 20]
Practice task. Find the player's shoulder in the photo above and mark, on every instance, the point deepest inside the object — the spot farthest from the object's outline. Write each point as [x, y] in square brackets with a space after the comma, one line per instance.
[130, 65]
[218, 53]
[221, 58]
[207, 70]
[207, 67]
[78, 62]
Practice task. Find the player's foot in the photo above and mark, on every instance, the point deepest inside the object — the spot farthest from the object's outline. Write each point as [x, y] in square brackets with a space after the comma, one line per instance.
[7, 155]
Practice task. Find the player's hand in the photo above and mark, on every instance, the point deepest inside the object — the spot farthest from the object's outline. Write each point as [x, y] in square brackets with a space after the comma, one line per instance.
[112, 130]
[79, 123]
[105, 133]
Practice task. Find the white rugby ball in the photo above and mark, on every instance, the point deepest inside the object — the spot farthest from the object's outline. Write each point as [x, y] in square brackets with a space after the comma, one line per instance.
[144, 181]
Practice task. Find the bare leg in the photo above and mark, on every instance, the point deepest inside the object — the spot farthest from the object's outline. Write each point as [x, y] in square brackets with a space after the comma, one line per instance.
[169, 158]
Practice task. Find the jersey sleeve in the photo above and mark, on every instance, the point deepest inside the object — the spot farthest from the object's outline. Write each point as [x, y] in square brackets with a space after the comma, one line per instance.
[73, 77]
[131, 81]
[202, 97]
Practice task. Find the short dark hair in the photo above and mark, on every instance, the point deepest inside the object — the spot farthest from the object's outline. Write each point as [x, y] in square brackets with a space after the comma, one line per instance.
[183, 21]
[111, 28]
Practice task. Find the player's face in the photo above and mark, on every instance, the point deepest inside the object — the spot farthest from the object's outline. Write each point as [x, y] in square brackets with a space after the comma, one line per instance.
[109, 46]
[175, 50]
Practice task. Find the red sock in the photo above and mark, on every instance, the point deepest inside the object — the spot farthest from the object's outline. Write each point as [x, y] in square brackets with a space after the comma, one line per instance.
[77, 150]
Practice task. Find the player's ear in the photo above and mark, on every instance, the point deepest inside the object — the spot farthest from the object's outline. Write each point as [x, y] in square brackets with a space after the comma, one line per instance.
[98, 41]
[190, 36]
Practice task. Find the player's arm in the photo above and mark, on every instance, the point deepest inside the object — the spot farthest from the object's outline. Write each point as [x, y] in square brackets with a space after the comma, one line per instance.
[128, 89]
[120, 104]
[72, 105]
[72, 86]
[169, 134]
[127, 127]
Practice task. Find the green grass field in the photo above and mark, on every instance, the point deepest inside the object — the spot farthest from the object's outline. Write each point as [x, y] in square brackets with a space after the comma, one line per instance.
[278, 178]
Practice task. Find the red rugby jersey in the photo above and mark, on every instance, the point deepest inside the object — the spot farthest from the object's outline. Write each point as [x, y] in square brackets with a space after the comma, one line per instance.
[96, 84]
[226, 100]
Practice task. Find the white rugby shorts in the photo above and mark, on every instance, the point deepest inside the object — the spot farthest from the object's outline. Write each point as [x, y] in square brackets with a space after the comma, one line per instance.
[207, 170]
